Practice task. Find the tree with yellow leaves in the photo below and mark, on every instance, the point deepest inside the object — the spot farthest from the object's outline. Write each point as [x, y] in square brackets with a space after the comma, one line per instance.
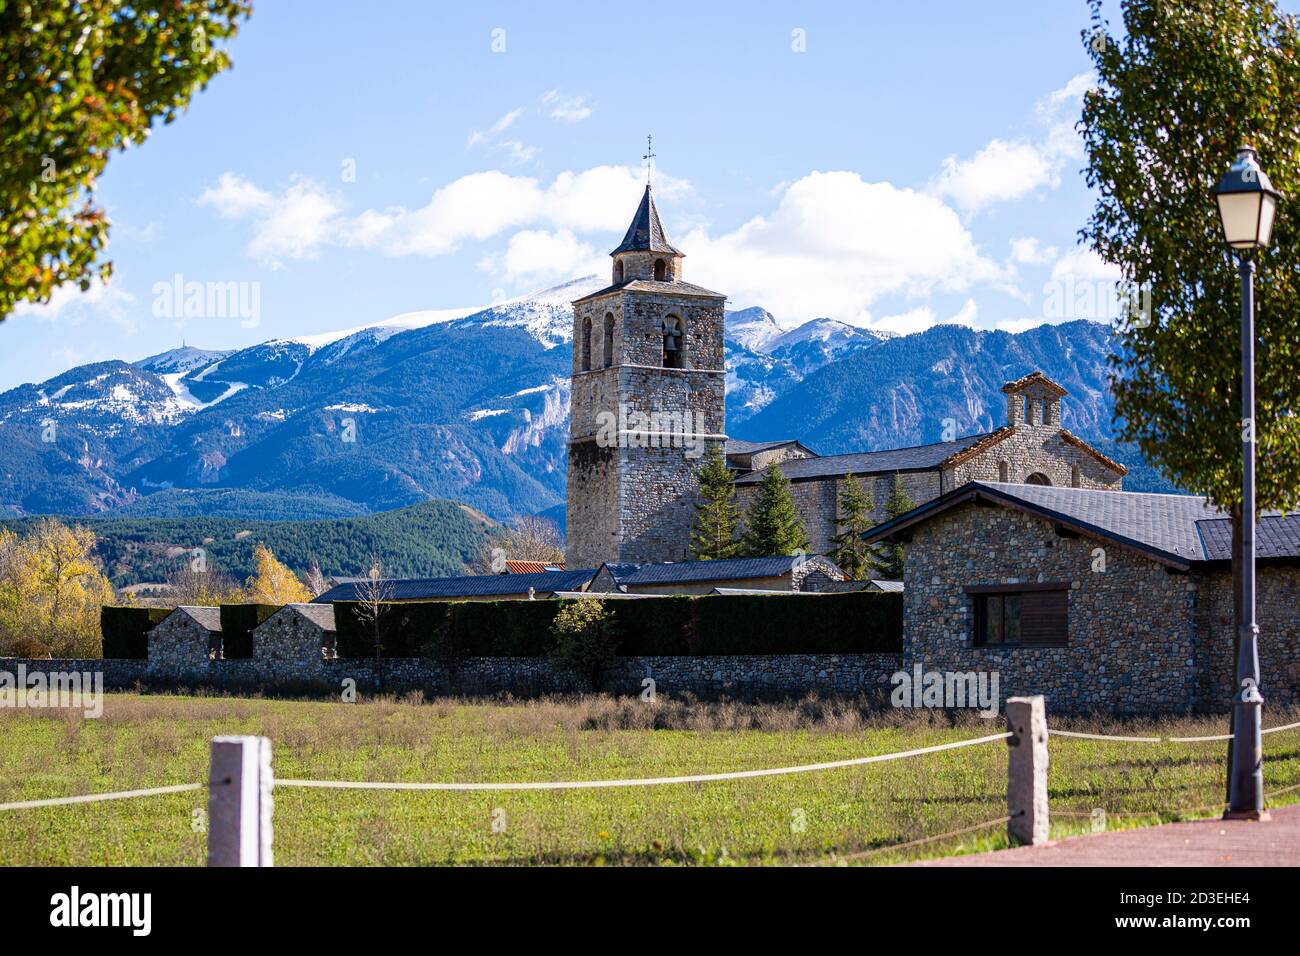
[274, 583]
[51, 590]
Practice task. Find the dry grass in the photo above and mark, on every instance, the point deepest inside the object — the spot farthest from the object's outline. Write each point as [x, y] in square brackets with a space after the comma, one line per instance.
[157, 740]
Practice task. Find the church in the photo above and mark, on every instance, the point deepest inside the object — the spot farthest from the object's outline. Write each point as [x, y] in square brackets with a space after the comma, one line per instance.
[648, 403]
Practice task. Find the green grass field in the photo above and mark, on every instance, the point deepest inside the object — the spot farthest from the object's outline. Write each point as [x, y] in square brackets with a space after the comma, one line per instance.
[854, 815]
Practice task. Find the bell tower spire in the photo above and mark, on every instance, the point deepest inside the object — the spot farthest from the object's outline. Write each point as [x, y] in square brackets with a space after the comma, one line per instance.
[647, 401]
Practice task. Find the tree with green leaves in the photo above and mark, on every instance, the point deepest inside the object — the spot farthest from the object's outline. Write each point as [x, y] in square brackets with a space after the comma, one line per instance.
[82, 81]
[856, 510]
[1187, 85]
[1189, 82]
[773, 525]
[887, 561]
[716, 515]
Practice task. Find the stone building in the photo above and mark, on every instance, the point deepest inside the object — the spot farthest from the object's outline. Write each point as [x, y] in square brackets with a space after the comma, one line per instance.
[647, 403]
[1031, 447]
[187, 638]
[294, 634]
[1105, 601]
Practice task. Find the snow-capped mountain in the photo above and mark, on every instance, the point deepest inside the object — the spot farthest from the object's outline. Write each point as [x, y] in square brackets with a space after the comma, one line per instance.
[754, 328]
[470, 405]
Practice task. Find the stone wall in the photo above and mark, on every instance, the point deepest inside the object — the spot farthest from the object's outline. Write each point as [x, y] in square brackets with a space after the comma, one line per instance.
[1131, 636]
[735, 676]
[635, 501]
[180, 642]
[1034, 449]
[1277, 599]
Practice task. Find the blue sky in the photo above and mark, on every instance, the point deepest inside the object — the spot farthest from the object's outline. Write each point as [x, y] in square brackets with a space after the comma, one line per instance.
[913, 164]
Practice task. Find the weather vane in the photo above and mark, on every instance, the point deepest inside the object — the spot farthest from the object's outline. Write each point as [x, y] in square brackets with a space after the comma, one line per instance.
[648, 157]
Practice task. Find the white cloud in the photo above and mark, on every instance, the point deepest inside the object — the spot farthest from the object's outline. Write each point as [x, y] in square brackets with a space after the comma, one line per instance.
[538, 256]
[1030, 251]
[68, 303]
[518, 153]
[234, 197]
[1003, 171]
[998, 172]
[836, 244]
[482, 205]
[566, 109]
[506, 121]
[293, 224]
[1084, 264]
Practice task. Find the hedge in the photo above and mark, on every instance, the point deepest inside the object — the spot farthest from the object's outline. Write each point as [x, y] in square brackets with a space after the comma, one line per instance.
[124, 630]
[237, 624]
[856, 622]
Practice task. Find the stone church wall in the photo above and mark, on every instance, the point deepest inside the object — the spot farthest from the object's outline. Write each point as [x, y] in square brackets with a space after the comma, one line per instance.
[1031, 449]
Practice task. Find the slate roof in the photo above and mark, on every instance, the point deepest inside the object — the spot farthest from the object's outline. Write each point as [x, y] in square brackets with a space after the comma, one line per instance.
[208, 617]
[891, 587]
[322, 615]
[738, 446]
[646, 233]
[681, 572]
[470, 585]
[676, 287]
[1179, 530]
[1276, 536]
[916, 458]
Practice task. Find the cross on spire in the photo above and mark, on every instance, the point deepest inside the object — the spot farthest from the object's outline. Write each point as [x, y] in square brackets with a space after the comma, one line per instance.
[649, 157]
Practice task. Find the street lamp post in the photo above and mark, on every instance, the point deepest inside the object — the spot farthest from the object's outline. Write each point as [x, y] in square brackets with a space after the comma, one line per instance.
[1247, 204]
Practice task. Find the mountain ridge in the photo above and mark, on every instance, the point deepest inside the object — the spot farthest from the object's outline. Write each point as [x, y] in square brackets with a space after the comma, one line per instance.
[474, 408]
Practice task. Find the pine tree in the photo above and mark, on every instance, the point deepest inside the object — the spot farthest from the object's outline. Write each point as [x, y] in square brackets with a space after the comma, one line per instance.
[856, 507]
[716, 516]
[774, 526]
[888, 559]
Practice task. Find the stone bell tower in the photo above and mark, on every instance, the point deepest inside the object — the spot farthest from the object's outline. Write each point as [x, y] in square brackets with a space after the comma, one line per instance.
[647, 403]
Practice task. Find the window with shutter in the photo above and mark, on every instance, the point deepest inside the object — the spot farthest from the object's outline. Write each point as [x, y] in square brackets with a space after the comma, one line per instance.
[1037, 616]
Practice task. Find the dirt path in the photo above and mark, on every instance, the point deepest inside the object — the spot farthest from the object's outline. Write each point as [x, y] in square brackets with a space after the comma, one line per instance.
[1199, 843]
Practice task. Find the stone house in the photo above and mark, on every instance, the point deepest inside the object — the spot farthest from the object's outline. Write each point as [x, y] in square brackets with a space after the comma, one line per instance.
[704, 577]
[294, 634]
[188, 637]
[1099, 600]
[1032, 448]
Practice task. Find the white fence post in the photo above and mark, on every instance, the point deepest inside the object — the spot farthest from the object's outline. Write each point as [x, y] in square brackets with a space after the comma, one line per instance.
[1027, 770]
[239, 802]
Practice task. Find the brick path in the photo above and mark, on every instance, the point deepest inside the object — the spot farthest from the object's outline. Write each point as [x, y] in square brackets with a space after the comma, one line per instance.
[1198, 843]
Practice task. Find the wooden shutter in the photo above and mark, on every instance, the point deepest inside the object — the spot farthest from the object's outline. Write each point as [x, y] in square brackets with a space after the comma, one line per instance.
[1044, 617]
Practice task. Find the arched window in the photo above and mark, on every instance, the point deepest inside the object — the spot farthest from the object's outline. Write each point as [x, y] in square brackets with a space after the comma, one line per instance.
[618, 272]
[1004, 471]
[1075, 477]
[1038, 478]
[661, 270]
[584, 347]
[609, 339]
[674, 339]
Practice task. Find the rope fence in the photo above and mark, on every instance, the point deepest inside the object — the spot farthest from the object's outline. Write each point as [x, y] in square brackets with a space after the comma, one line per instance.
[1160, 740]
[241, 782]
